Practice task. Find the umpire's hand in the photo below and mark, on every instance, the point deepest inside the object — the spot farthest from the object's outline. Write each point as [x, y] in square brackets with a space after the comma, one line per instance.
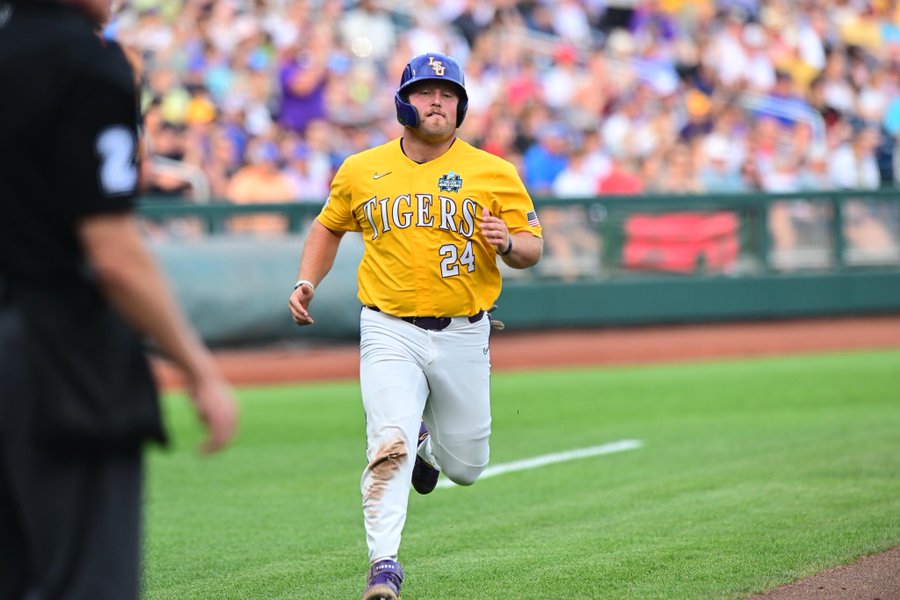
[216, 406]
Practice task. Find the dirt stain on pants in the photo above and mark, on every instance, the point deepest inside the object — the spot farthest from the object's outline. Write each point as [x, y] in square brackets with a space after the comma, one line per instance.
[388, 460]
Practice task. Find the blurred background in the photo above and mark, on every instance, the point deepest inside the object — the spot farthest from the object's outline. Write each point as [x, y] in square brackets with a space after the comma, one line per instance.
[735, 137]
[623, 96]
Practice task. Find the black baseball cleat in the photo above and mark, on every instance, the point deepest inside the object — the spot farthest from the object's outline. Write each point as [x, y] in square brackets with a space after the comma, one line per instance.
[424, 476]
[384, 580]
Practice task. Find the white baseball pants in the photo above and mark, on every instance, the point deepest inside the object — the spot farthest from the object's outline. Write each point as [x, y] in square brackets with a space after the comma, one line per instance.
[408, 374]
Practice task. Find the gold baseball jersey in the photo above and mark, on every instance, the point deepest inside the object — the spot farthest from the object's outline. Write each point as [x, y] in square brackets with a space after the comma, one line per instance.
[424, 253]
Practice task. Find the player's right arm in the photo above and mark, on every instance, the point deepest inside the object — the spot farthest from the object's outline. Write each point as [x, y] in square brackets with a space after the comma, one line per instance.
[318, 255]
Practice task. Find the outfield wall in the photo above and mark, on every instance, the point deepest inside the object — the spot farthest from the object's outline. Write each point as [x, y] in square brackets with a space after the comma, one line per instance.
[611, 261]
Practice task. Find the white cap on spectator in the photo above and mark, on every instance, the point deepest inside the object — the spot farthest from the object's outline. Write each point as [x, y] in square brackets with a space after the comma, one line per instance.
[716, 148]
[621, 43]
[817, 153]
[754, 35]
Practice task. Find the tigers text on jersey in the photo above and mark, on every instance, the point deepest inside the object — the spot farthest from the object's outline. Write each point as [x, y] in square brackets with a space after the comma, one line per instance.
[424, 253]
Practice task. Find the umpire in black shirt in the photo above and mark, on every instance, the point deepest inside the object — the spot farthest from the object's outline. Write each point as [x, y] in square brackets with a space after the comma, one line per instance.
[78, 293]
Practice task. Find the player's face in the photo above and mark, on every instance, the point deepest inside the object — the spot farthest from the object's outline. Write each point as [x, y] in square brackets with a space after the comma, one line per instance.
[436, 102]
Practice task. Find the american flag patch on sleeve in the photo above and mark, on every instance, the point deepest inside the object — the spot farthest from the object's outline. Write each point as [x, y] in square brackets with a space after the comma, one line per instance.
[532, 219]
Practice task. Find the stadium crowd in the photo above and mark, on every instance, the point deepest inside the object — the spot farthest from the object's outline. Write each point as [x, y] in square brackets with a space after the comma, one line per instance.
[266, 97]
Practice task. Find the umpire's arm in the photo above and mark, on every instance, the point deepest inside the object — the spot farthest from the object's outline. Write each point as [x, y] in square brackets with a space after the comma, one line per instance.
[135, 286]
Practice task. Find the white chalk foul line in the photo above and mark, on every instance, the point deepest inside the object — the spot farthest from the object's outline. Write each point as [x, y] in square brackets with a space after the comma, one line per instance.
[550, 459]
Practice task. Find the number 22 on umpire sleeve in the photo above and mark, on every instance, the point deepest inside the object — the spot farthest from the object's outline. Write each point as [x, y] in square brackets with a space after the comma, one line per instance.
[452, 258]
[115, 147]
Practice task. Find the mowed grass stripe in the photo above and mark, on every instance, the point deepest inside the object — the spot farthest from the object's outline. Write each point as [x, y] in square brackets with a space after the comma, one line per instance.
[753, 473]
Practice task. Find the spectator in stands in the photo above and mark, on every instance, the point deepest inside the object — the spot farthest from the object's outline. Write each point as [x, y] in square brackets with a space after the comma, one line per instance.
[578, 179]
[322, 156]
[875, 94]
[200, 109]
[678, 173]
[525, 88]
[649, 171]
[546, 158]
[853, 164]
[500, 138]
[622, 178]
[596, 155]
[764, 140]
[750, 173]
[258, 66]
[368, 31]
[716, 172]
[863, 28]
[570, 22]
[814, 34]
[472, 20]
[310, 185]
[699, 116]
[303, 75]
[813, 170]
[649, 22]
[168, 144]
[760, 75]
[596, 89]
[261, 180]
[220, 162]
[628, 129]
[837, 92]
[728, 52]
[560, 81]
[782, 173]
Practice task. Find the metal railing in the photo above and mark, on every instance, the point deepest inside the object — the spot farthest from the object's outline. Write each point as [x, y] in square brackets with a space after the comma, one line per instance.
[626, 236]
[181, 171]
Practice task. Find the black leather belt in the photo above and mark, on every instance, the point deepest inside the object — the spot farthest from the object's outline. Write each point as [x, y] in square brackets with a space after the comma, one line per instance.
[433, 323]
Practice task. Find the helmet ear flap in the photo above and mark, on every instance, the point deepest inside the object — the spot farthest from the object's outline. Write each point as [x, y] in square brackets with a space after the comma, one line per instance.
[462, 108]
[407, 114]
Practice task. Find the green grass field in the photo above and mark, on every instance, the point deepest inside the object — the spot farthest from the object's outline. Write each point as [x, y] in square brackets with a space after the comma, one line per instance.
[752, 473]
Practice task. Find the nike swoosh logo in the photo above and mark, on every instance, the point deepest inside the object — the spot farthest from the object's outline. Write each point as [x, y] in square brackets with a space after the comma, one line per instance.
[380, 175]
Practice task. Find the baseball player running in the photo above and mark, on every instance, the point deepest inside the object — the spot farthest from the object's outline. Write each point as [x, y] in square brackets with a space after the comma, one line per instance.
[434, 213]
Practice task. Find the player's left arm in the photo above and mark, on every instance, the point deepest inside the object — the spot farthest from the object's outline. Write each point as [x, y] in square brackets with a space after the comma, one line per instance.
[511, 225]
[518, 250]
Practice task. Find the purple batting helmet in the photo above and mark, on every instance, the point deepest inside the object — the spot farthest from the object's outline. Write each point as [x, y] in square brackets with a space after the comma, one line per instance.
[431, 66]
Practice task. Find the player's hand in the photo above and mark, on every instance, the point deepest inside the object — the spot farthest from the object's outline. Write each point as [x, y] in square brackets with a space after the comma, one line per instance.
[217, 409]
[299, 305]
[494, 230]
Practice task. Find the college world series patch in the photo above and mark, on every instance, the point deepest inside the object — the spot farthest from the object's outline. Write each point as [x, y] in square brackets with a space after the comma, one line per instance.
[450, 182]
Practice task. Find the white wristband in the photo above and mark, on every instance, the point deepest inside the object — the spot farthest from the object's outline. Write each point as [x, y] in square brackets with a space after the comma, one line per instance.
[305, 282]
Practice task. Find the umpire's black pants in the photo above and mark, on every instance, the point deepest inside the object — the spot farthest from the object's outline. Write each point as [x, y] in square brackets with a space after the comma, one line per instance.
[69, 521]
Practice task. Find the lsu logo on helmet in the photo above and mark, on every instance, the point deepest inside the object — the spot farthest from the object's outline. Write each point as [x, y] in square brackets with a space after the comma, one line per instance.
[437, 65]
